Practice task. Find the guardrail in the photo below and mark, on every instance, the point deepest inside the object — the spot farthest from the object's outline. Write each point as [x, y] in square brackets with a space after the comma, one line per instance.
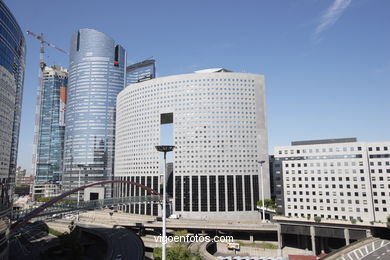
[84, 205]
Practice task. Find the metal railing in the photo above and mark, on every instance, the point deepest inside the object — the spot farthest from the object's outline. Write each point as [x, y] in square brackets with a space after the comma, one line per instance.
[59, 207]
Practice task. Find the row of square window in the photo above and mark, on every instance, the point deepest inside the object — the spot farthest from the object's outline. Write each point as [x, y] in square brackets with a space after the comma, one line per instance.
[323, 216]
[327, 193]
[140, 93]
[327, 208]
[326, 179]
[336, 149]
[326, 164]
[339, 171]
[327, 186]
[335, 201]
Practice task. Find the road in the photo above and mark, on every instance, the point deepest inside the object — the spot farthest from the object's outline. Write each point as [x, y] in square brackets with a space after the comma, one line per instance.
[376, 250]
[123, 242]
[382, 252]
[149, 222]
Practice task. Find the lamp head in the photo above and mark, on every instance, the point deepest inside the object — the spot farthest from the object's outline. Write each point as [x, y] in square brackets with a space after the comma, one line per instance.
[165, 148]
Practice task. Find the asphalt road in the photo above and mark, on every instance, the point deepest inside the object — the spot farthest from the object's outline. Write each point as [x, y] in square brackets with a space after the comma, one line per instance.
[377, 250]
[380, 253]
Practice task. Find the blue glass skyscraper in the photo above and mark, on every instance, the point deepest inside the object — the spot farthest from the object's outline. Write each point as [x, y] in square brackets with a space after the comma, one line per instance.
[12, 64]
[140, 72]
[96, 75]
[48, 158]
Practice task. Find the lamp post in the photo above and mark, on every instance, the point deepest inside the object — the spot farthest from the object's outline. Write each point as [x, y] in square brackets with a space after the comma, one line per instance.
[262, 188]
[165, 149]
[79, 183]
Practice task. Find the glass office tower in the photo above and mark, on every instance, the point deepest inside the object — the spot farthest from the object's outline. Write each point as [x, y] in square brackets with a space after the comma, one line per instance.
[48, 159]
[12, 64]
[96, 75]
[140, 71]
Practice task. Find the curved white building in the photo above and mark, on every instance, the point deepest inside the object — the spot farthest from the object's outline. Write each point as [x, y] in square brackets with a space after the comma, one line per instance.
[219, 130]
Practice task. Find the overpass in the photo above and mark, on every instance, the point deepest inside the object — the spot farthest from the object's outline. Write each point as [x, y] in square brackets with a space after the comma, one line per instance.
[18, 215]
[51, 207]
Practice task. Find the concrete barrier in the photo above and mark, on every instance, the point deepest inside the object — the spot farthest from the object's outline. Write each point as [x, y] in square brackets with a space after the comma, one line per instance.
[247, 250]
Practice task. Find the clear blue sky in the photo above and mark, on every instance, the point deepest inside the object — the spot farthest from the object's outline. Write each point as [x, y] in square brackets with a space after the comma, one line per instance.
[326, 62]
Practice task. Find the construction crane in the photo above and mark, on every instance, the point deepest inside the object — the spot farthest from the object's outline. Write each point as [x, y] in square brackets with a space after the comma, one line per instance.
[42, 66]
[42, 63]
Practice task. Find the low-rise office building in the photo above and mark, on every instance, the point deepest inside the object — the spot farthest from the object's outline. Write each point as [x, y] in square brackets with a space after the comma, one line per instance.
[334, 179]
[46, 190]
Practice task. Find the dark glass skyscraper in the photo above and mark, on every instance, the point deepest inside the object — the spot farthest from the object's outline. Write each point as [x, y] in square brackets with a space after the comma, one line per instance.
[48, 159]
[12, 63]
[96, 75]
[140, 71]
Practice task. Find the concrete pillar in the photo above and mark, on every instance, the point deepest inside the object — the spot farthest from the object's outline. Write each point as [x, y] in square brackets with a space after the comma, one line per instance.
[305, 242]
[280, 240]
[346, 236]
[322, 248]
[251, 239]
[368, 233]
[326, 244]
[313, 239]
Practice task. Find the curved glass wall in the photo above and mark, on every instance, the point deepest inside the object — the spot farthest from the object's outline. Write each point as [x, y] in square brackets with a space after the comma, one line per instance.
[96, 75]
[12, 64]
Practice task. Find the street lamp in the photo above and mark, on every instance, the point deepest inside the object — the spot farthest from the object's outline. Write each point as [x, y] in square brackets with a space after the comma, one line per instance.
[262, 187]
[79, 183]
[164, 149]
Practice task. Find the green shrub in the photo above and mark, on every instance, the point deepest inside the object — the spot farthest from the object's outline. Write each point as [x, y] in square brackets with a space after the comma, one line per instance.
[388, 222]
[55, 232]
[269, 203]
[317, 219]
[176, 252]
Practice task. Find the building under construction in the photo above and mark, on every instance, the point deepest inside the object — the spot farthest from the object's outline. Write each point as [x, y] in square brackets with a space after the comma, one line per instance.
[51, 125]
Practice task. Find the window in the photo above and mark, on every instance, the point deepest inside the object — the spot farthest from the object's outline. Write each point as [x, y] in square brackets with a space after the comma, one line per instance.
[195, 193]
[186, 193]
[248, 197]
[255, 184]
[221, 193]
[178, 193]
[239, 195]
[213, 193]
[230, 192]
[203, 193]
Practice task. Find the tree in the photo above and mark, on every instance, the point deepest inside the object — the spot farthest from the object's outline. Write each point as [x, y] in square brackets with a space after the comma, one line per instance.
[177, 251]
[181, 233]
[269, 203]
[388, 222]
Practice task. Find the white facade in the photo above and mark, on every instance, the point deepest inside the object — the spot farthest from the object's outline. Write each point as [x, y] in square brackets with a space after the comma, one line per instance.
[339, 180]
[46, 190]
[219, 130]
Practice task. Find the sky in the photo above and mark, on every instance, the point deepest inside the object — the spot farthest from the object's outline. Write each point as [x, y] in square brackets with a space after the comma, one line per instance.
[326, 62]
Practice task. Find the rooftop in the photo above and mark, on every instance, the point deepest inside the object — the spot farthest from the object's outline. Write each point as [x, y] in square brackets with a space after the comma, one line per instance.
[213, 70]
[325, 141]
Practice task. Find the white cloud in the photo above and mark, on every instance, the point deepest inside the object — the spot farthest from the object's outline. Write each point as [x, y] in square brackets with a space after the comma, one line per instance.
[331, 15]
